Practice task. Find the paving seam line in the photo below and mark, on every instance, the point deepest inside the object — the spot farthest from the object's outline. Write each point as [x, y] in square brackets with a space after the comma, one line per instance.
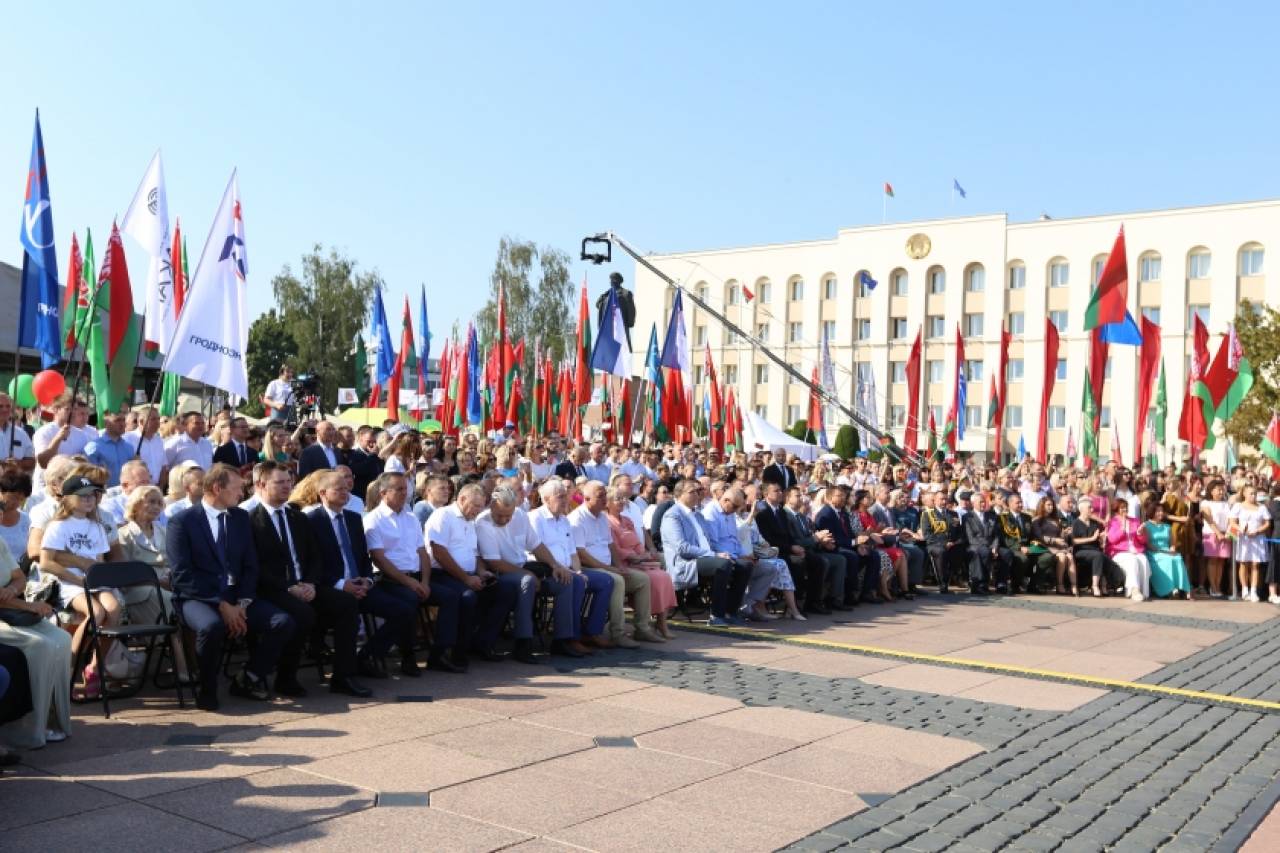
[1158, 690]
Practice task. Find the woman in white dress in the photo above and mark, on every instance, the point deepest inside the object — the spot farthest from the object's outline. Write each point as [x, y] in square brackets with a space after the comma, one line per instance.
[1250, 522]
[47, 649]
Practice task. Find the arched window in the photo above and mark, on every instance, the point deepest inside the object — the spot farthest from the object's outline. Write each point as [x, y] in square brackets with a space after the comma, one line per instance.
[1199, 262]
[1017, 275]
[1251, 258]
[899, 282]
[1096, 267]
[830, 286]
[701, 290]
[937, 278]
[1149, 266]
[1059, 272]
[795, 289]
[860, 279]
[764, 290]
[975, 278]
[732, 293]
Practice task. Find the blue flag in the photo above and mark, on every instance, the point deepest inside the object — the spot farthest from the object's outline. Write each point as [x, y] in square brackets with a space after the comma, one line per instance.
[1126, 333]
[865, 279]
[653, 373]
[475, 406]
[424, 336]
[382, 336]
[1022, 448]
[955, 185]
[38, 325]
[962, 397]
[612, 354]
[675, 348]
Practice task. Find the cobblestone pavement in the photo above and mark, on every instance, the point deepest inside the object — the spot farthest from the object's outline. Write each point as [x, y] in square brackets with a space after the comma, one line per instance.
[1123, 772]
[1085, 611]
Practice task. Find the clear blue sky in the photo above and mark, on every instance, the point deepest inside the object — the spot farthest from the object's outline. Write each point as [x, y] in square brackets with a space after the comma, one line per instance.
[413, 137]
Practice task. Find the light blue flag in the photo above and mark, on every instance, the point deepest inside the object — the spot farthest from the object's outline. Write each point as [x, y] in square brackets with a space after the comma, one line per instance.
[1022, 448]
[955, 185]
[386, 364]
[612, 353]
[38, 324]
[1126, 333]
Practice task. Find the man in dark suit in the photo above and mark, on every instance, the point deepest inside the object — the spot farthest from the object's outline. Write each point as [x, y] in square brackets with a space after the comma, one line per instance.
[324, 453]
[1014, 548]
[235, 452]
[775, 527]
[779, 472]
[215, 580]
[820, 547]
[345, 566]
[943, 537]
[980, 534]
[575, 466]
[364, 461]
[289, 575]
[861, 573]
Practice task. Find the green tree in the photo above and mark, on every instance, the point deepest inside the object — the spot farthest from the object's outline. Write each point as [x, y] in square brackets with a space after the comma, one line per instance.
[1258, 326]
[800, 429]
[846, 444]
[539, 301]
[323, 309]
[270, 345]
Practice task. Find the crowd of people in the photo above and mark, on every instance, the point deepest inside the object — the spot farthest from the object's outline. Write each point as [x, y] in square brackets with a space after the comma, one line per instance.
[362, 546]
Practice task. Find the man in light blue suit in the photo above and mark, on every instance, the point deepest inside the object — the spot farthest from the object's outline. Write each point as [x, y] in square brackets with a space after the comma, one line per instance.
[688, 556]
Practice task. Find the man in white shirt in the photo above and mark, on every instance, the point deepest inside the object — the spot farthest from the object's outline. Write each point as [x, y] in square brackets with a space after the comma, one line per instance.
[279, 395]
[451, 541]
[552, 528]
[147, 444]
[510, 547]
[193, 486]
[634, 467]
[594, 540]
[190, 445]
[62, 437]
[133, 475]
[399, 551]
[15, 444]
[355, 503]
[599, 468]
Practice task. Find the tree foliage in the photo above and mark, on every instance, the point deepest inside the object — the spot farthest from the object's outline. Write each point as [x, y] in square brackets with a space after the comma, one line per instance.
[800, 429]
[322, 310]
[846, 443]
[270, 345]
[1258, 326]
[539, 300]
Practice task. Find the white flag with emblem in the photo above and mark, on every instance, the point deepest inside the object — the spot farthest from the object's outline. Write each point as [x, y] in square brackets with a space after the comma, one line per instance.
[147, 221]
[213, 331]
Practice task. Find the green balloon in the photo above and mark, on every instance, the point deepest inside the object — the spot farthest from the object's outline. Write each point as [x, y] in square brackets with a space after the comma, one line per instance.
[24, 396]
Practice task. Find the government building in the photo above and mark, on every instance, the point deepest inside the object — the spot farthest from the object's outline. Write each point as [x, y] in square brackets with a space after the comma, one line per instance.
[979, 274]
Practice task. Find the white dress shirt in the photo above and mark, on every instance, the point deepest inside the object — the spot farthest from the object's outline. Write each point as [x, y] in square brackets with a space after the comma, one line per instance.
[397, 534]
[448, 528]
[512, 543]
[150, 451]
[181, 448]
[556, 533]
[74, 443]
[592, 533]
[21, 447]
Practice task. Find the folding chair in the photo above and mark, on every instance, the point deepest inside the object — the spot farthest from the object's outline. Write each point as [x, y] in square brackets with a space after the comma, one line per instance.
[104, 577]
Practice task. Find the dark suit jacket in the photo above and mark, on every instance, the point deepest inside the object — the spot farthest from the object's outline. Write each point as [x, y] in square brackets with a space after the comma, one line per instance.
[775, 528]
[365, 468]
[330, 562]
[828, 520]
[313, 459]
[273, 555]
[199, 573]
[980, 531]
[784, 477]
[568, 469]
[226, 454]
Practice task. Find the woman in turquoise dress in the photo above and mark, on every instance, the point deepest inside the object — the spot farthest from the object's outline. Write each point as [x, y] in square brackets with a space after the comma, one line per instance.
[1168, 570]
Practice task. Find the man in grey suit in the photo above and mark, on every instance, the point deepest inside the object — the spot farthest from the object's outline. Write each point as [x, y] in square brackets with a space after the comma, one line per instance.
[687, 553]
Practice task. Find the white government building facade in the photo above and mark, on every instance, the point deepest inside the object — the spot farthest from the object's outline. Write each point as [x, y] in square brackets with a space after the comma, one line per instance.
[981, 273]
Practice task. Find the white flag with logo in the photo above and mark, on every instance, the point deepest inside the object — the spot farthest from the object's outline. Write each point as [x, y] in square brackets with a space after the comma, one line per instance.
[147, 221]
[213, 330]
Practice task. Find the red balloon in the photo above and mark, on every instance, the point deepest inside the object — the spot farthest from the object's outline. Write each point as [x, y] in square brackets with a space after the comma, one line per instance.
[47, 385]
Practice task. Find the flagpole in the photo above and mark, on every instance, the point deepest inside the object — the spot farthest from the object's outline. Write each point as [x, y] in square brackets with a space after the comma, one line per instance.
[884, 207]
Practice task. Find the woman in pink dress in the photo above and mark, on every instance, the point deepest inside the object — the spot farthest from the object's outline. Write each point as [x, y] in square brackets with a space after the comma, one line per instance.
[662, 593]
[1126, 544]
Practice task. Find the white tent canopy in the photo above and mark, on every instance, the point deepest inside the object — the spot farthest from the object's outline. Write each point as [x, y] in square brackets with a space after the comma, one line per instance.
[758, 434]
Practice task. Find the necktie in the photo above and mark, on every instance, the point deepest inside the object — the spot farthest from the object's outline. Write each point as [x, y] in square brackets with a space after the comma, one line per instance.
[344, 542]
[221, 542]
[283, 530]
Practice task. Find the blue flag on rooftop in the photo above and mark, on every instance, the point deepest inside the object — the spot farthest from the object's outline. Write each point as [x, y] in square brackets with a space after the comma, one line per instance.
[38, 325]
[1126, 333]
[865, 279]
[386, 364]
[612, 354]
[955, 185]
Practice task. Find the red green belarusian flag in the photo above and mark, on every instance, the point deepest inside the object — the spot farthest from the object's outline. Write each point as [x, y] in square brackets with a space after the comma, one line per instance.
[1111, 296]
[1271, 444]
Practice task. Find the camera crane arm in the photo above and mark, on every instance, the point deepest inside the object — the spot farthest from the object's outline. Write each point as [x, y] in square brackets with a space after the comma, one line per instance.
[608, 239]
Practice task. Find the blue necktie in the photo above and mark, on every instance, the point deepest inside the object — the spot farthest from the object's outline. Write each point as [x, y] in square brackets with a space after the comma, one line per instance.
[221, 541]
[344, 541]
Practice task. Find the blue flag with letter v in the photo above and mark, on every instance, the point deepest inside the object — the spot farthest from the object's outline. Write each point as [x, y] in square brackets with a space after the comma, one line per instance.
[38, 325]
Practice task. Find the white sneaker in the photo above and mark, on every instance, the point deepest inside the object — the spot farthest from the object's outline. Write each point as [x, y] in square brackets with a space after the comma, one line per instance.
[1273, 599]
[54, 736]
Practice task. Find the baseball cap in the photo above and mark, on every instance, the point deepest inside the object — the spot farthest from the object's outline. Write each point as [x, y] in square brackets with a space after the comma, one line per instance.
[79, 486]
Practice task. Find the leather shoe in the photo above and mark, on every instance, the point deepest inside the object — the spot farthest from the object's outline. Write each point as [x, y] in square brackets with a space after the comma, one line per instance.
[349, 687]
[249, 687]
[291, 688]
[600, 641]
[817, 609]
[409, 667]
[569, 649]
[207, 701]
[490, 655]
[444, 664]
[524, 652]
[367, 667]
[839, 607]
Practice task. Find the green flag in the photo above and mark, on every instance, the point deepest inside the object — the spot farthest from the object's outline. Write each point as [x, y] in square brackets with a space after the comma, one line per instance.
[1089, 437]
[1162, 407]
[113, 334]
[1237, 392]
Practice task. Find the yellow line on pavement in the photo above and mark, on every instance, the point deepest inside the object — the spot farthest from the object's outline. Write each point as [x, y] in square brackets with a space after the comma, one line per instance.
[1005, 669]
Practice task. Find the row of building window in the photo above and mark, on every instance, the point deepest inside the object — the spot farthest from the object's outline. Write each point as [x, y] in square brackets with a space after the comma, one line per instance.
[1249, 263]
[975, 416]
[972, 326]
